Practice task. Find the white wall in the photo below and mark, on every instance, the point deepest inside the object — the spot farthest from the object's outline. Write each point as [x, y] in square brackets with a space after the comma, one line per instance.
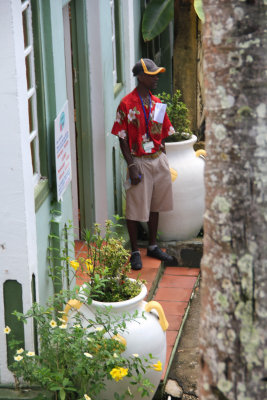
[18, 258]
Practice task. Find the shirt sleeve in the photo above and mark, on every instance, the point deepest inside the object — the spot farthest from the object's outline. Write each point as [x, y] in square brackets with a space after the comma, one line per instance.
[167, 128]
[120, 126]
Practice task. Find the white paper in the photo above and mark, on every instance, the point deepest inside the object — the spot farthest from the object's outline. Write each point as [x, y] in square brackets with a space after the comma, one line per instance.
[159, 113]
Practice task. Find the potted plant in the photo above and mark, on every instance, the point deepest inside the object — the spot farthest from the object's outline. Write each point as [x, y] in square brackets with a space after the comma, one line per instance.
[103, 343]
[104, 268]
[185, 221]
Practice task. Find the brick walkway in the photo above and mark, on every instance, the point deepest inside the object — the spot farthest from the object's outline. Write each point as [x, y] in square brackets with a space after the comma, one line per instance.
[173, 292]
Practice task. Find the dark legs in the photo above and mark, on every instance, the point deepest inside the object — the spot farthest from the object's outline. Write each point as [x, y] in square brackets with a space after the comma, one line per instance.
[152, 229]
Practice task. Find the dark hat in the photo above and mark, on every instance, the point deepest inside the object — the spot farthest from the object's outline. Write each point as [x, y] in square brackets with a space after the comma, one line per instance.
[147, 66]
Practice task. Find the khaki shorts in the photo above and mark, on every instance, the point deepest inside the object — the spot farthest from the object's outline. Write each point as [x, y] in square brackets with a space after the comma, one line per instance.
[153, 193]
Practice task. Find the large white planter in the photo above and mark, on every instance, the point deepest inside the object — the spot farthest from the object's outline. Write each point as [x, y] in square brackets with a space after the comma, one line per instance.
[143, 337]
[185, 221]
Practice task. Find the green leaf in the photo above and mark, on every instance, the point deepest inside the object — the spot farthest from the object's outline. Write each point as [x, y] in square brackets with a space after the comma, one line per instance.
[198, 5]
[158, 14]
[62, 394]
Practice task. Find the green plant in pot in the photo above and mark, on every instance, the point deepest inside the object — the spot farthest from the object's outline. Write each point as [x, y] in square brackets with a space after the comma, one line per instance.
[178, 114]
[104, 266]
[80, 356]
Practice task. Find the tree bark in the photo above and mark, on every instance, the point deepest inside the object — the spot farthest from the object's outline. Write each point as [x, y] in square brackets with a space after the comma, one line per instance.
[233, 331]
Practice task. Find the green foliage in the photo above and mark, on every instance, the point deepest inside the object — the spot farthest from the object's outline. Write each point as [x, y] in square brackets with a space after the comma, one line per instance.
[158, 14]
[106, 265]
[178, 114]
[76, 361]
[198, 5]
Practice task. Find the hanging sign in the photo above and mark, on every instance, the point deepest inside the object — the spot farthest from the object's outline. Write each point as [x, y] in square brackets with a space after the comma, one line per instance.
[62, 150]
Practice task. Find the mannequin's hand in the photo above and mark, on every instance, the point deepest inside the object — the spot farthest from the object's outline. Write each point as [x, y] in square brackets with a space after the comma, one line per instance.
[135, 175]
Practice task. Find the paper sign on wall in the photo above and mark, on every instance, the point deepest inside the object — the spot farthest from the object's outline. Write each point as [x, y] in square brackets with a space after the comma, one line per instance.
[62, 150]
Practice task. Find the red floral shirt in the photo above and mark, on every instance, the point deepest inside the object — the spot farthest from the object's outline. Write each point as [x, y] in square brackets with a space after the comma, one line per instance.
[130, 124]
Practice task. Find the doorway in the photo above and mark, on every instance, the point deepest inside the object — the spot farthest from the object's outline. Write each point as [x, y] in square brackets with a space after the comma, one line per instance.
[78, 95]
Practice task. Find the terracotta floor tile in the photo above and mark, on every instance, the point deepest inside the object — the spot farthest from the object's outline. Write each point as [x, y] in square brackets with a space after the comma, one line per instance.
[168, 355]
[178, 281]
[173, 294]
[147, 274]
[171, 337]
[182, 271]
[174, 321]
[174, 307]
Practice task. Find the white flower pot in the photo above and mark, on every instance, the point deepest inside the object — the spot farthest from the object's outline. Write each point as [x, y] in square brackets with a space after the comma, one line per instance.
[143, 336]
[185, 221]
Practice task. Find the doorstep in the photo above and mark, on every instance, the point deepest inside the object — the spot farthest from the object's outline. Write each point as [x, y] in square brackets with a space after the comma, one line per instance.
[172, 287]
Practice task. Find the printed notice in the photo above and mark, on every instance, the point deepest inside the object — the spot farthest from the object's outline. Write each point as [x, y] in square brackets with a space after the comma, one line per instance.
[62, 150]
[160, 111]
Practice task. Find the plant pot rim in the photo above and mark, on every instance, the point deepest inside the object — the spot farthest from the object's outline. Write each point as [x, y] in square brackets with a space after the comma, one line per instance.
[119, 304]
[190, 141]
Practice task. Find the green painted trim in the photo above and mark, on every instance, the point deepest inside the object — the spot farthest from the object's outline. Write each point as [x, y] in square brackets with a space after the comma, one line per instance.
[13, 302]
[39, 77]
[41, 192]
[119, 35]
[117, 89]
[83, 114]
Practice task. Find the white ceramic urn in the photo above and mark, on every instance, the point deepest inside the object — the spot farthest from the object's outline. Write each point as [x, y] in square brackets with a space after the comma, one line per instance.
[185, 221]
[143, 336]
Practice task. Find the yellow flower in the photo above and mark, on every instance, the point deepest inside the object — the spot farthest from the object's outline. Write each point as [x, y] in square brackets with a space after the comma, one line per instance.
[99, 328]
[118, 373]
[89, 265]
[20, 351]
[88, 355]
[115, 355]
[7, 330]
[63, 326]
[18, 358]
[87, 397]
[157, 366]
[74, 264]
[30, 354]
[53, 324]
[135, 355]
[62, 320]
[77, 326]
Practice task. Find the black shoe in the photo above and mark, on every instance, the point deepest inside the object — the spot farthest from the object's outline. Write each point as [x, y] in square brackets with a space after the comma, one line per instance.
[161, 255]
[136, 262]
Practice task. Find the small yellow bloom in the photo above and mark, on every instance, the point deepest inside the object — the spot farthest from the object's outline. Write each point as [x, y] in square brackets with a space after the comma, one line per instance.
[74, 264]
[89, 265]
[87, 397]
[19, 351]
[88, 355]
[18, 358]
[63, 326]
[7, 330]
[77, 326]
[53, 324]
[118, 373]
[30, 354]
[62, 320]
[99, 328]
[135, 355]
[157, 366]
[115, 355]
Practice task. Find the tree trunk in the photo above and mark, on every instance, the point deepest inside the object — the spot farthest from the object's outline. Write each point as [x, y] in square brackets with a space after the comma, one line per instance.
[233, 332]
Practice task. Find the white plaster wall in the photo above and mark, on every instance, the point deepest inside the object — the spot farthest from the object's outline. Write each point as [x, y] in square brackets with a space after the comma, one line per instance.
[18, 254]
[129, 44]
[97, 110]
